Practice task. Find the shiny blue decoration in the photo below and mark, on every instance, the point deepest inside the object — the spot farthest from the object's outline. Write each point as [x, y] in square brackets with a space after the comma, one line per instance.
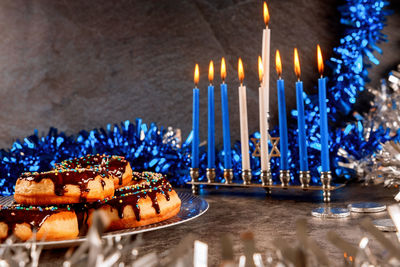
[145, 146]
[149, 147]
[363, 21]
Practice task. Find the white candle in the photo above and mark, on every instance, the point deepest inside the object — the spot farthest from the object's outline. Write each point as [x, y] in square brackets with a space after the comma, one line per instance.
[244, 129]
[264, 92]
[263, 119]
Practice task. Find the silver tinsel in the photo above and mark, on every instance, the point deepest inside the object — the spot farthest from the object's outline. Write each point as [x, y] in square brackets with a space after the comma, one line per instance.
[385, 111]
[382, 166]
[122, 251]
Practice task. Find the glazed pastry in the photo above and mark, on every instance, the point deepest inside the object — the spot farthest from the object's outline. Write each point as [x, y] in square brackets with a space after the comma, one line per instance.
[49, 223]
[116, 167]
[78, 193]
[63, 187]
[149, 202]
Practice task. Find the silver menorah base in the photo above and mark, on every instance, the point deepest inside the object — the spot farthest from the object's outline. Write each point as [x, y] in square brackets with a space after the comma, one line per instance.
[267, 184]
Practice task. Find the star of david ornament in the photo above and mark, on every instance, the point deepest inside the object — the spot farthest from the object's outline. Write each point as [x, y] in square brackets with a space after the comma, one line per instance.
[274, 152]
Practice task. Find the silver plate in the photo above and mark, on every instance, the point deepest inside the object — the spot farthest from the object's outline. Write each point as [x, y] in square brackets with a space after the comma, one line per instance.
[332, 213]
[367, 207]
[191, 208]
[385, 225]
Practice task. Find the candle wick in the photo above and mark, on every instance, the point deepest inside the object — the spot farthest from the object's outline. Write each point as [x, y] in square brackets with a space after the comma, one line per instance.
[322, 76]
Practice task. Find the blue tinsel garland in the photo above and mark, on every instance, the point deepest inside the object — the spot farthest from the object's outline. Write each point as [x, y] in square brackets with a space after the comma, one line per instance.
[146, 148]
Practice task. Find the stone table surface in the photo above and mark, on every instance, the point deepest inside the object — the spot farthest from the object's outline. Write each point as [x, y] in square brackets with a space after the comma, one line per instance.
[236, 211]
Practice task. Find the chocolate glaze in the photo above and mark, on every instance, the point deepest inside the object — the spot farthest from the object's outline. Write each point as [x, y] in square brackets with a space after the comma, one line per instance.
[82, 215]
[131, 196]
[61, 178]
[113, 165]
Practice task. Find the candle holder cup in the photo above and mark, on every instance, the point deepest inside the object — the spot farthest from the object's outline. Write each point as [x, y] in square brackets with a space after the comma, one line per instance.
[284, 176]
[194, 174]
[210, 173]
[246, 176]
[305, 178]
[228, 176]
[266, 179]
[326, 178]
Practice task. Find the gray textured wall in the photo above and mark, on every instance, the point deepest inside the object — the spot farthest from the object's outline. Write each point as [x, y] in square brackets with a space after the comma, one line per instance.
[82, 64]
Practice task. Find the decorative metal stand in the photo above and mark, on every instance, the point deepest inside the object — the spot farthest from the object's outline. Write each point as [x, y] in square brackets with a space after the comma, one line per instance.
[267, 184]
[267, 187]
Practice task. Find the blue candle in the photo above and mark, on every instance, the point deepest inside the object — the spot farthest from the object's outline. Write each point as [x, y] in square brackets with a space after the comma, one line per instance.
[195, 142]
[300, 116]
[225, 119]
[211, 131]
[282, 115]
[323, 114]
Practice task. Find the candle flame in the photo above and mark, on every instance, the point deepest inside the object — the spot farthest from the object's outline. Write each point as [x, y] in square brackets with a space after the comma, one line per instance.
[278, 63]
[211, 72]
[296, 63]
[196, 74]
[260, 69]
[223, 69]
[320, 61]
[266, 14]
[240, 71]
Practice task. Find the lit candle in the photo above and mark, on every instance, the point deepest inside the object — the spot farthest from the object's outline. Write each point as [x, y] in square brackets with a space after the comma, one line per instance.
[225, 119]
[211, 131]
[300, 115]
[195, 142]
[244, 130]
[266, 43]
[282, 114]
[263, 119]
[323, 114]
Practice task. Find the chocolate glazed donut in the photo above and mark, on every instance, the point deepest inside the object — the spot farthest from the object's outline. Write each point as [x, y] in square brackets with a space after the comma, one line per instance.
[63, 187]
[153, 200]
[49, 223]
[148, 200]
[116, 166]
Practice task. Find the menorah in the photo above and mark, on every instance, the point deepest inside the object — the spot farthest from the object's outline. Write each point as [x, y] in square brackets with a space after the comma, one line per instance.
[266, 180]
